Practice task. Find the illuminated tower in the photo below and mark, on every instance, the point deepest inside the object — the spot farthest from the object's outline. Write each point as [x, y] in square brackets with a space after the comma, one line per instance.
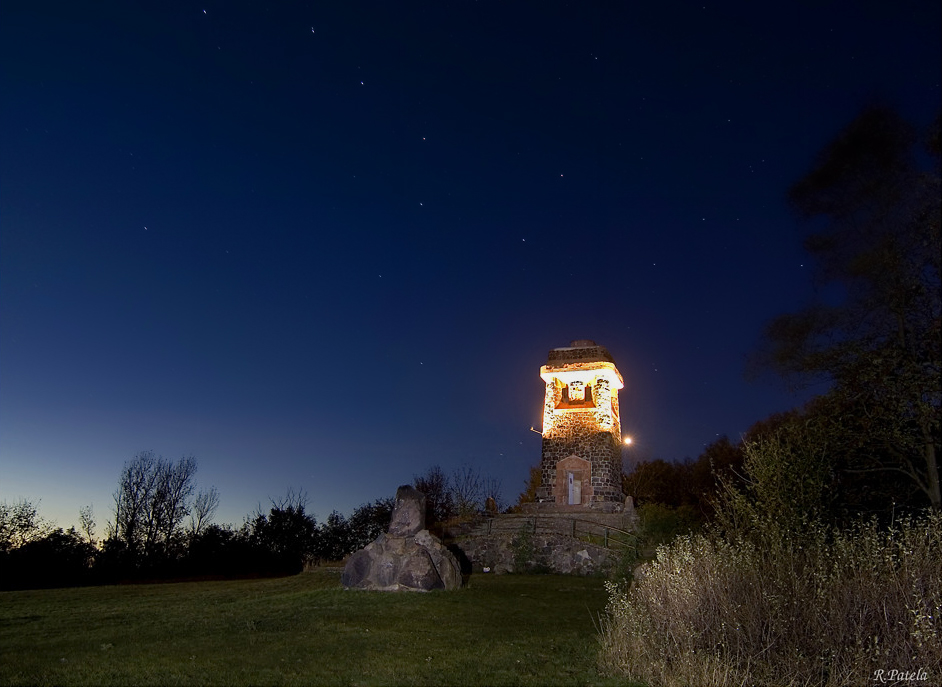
[581, 465]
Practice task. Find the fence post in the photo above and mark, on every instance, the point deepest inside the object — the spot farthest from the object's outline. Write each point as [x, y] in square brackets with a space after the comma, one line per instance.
[606, 537]
[573, 528]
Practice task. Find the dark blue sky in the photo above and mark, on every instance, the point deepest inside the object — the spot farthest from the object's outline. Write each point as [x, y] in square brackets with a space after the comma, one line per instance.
[325, 246]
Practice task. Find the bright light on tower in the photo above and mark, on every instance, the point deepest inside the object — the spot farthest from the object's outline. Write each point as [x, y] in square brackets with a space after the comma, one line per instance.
[627, 441]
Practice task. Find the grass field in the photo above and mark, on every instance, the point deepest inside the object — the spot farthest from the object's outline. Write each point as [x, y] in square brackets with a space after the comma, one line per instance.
[304, 630]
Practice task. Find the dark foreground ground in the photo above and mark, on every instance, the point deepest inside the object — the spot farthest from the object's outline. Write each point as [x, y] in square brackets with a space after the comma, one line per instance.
[304, 630]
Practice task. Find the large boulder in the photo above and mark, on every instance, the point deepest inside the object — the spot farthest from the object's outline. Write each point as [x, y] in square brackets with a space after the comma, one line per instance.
[445, 562]
[408, 516]
[407, 558]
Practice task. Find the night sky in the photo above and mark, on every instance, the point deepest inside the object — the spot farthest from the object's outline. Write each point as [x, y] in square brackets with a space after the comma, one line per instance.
[324, 246]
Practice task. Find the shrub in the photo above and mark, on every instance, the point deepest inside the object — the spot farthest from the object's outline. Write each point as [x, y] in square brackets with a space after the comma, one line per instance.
[625, 561]
[825, 607]
[285, 538]
[527, 556]
[20, 523]
[59, 559]
[660, 524]
[369, 521]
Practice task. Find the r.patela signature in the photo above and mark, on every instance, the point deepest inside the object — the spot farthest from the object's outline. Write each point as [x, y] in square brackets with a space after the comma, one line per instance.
[894, 675]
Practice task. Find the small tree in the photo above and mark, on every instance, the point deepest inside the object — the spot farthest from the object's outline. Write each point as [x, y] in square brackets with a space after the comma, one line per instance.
[369, 521]
[491, 488]
[336, 538]
[87, 524]
[204, 507]
[439, 502]
[531, 486]
[467, 489]
[287, 536]
[151, 503]
[20, 523]
[789, 480]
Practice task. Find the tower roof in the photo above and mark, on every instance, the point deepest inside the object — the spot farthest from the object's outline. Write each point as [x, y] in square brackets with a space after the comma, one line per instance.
[579, 351]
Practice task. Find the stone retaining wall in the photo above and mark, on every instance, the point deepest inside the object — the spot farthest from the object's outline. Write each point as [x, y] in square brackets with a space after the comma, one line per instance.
[507, 552]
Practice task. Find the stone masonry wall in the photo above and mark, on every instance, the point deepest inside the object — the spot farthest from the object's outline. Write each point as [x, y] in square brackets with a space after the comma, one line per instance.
[593, 434]
[599, 448]
[581, 419]
[500, 553]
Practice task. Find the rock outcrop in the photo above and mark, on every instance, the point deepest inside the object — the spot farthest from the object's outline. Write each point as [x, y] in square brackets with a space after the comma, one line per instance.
[407, 558]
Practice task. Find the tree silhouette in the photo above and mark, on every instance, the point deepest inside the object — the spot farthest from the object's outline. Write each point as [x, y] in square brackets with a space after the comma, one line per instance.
[151, 503]
[874, 331]
[439, 501]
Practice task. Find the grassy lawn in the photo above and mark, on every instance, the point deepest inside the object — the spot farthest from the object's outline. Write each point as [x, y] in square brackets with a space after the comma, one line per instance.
[305, 630]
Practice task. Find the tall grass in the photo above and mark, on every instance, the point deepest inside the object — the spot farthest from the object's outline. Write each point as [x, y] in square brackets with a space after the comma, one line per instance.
[778, 607]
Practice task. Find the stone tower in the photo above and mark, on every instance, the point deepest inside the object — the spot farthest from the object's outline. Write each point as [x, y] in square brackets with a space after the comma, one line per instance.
[581, 466]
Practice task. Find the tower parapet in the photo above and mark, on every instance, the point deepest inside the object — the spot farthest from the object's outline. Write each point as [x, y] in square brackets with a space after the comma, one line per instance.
[581, 463]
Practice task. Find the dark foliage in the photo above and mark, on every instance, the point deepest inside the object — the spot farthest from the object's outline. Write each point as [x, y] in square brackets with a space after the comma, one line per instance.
[59, 559]
[692, 484]
[884, 494]
[285, 538]
[20, 523]
[528, 495]
[369, 521]
[874, 335]
[439, 503]
[336, 538]
[221, 551]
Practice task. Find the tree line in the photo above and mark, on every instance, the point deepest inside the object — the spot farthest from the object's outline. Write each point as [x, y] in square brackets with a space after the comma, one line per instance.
[163, 528]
